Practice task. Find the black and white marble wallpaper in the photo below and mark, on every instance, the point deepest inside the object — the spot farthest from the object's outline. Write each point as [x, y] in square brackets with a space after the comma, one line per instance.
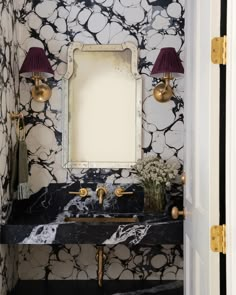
[8, 103]
[78, 262]
[53, 25]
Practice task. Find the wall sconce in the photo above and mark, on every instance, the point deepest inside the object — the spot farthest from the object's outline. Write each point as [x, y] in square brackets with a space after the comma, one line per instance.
[34, 65]
[167, 62]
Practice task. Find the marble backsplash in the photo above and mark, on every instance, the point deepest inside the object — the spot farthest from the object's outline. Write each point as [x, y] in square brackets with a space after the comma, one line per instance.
[55, 202]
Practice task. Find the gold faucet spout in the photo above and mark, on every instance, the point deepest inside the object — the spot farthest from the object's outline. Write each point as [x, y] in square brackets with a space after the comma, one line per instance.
[100, 197]
[101, 193]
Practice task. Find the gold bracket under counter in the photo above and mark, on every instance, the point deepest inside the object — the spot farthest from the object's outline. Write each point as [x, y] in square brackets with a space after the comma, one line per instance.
[101, 258]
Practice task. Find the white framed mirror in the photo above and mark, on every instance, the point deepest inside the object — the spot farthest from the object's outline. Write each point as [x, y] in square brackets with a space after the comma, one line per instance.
[102, 91]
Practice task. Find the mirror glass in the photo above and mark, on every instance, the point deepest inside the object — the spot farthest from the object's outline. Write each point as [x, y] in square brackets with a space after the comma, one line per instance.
[103, 106]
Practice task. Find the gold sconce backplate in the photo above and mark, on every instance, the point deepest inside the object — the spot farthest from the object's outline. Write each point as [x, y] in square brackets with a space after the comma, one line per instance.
[162, 93]
[41, 92]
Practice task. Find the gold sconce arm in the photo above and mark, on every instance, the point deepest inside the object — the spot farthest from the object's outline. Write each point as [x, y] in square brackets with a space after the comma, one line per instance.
[120, 192]
[83, 193]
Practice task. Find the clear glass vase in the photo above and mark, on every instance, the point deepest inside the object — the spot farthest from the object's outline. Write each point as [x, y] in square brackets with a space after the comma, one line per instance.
[154, 198]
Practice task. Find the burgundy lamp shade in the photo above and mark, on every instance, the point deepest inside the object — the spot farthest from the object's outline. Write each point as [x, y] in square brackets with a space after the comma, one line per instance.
[36, 62]
[167, 61]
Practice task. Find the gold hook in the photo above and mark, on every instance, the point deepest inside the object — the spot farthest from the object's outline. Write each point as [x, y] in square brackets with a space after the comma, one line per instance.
[15, 116]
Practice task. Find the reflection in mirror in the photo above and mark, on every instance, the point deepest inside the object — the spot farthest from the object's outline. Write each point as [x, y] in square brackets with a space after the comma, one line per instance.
[103, 107]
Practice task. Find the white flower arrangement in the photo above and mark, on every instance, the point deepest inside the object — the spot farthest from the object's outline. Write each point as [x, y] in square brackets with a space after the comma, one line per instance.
[153, 171]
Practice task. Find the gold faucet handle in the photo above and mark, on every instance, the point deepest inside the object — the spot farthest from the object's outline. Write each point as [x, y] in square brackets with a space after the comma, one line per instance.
[83, 193]
[120, 192]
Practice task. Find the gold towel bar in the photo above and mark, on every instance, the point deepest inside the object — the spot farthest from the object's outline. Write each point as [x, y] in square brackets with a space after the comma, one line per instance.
[15, 116]
[102, 219]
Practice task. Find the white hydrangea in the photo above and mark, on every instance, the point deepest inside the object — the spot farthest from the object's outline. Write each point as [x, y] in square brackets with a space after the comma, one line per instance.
[153, 170]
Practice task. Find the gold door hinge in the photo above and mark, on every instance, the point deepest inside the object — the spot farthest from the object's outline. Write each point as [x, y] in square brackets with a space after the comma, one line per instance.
[219, 50]
[218, 238]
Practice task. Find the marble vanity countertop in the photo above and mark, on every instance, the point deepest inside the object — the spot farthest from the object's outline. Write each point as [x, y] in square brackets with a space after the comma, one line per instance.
[149, 230]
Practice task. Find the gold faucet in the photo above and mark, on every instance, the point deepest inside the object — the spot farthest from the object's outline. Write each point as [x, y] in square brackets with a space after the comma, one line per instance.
[101, 193]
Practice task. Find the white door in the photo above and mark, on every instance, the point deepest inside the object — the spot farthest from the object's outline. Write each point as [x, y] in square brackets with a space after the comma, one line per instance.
[201, 196]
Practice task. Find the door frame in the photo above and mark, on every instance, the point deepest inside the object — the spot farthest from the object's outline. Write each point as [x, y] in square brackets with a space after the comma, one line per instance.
[231, 149]
[201, 196]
